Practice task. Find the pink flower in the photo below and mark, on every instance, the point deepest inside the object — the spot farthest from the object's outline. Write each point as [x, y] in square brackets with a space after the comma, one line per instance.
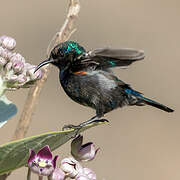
[42, 163]
[85, 152]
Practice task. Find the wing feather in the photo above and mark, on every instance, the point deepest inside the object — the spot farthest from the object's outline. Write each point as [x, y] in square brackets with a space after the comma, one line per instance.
[105, 58]
[121, 54]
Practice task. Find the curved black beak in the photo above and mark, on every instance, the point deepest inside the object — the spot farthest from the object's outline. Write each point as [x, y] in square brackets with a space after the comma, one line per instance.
[47, 61]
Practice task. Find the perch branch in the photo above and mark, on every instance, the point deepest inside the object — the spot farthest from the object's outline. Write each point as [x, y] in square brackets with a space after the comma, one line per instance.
[67, 28]
[30, 104]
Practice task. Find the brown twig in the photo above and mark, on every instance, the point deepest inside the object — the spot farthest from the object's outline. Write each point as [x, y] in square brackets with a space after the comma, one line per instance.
[29, 107]
[67, 29]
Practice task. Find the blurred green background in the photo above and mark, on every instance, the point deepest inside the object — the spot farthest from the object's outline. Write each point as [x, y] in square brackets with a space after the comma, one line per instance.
[140, 143]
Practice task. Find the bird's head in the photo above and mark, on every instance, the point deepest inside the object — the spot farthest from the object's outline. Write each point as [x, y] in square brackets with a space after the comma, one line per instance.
[63, 54]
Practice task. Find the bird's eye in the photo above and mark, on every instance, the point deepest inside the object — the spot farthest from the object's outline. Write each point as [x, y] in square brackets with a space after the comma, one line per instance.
[54, 56]
[57, 53]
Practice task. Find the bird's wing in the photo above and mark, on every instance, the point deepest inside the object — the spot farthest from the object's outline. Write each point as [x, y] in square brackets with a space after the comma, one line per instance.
[109, 58]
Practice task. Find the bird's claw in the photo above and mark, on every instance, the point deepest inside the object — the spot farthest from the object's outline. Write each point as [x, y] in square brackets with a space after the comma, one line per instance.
[81, 125]
[74, 127]
[71, 126]
[77, 128]
[100, 121]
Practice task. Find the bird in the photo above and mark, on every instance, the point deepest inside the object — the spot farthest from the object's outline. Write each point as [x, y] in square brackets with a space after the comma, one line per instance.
[87, 78]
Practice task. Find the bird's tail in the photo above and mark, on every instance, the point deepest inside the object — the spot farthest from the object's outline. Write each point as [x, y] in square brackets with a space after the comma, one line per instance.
[156, 104]
[143, 100]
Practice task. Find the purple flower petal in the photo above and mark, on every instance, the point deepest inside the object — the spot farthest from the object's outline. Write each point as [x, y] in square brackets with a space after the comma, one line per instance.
[76, 145]
[32, 155]
[54, 161]
[45, 153]
[85, 152]
[86, 145]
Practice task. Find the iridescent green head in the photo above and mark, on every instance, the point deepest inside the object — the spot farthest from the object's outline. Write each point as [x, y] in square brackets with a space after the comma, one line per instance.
[63, 53]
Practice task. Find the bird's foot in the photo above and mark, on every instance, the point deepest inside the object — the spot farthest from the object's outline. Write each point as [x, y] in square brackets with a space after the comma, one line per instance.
[77, 128]
[81, 125]
[92, 121]
[71, 126]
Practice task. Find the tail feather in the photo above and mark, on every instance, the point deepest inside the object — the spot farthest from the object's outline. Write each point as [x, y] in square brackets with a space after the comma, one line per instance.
[156, 104]
[144, 100]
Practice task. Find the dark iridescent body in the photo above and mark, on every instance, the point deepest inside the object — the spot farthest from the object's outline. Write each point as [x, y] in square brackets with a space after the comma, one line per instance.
[86, 77]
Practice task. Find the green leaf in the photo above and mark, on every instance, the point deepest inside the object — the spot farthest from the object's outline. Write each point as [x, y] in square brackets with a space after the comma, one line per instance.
[14, 154]
[7, 110]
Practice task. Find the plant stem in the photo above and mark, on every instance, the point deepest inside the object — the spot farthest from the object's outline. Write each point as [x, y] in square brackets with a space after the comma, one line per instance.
[40, 177]
[4, 176]
[2, 87]
[29, 174]
[29, 108]
[49, 177]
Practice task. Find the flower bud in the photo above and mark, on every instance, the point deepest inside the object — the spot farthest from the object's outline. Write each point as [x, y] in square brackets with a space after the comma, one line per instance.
[4, 53]
[17, 57]
[8, 42]
[85, 152]
[21, 79]
[1, 51]
[13, 78]
[2, 39]
[30, 72]
[2, 61]
[71, 167]
[17, 65]
[11, 81]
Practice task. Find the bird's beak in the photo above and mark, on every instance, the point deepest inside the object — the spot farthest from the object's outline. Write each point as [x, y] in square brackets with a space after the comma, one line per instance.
[47, 61]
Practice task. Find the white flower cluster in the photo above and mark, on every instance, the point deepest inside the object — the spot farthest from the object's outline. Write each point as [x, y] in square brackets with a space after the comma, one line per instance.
[14, 71]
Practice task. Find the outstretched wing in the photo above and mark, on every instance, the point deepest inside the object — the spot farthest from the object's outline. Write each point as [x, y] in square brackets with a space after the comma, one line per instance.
[120, 54]
[108, 58]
